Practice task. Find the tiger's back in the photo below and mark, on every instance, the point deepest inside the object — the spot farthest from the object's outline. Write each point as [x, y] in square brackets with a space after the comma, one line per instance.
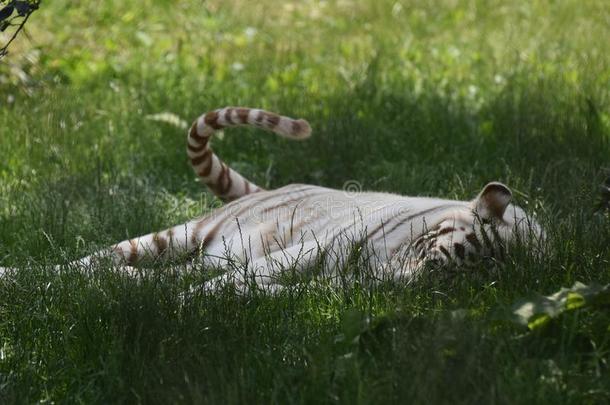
[269, 231]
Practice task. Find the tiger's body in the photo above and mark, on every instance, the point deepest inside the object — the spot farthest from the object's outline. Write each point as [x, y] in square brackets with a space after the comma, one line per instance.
[259, 234]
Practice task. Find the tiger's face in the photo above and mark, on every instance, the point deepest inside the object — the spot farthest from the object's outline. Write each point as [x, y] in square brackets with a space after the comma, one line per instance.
[485, 228]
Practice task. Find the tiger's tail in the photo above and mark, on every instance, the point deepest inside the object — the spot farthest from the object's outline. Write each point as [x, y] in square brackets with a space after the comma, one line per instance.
[226, 183]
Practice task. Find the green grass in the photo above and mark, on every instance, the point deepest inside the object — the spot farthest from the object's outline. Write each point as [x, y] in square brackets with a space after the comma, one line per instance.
[403, 97]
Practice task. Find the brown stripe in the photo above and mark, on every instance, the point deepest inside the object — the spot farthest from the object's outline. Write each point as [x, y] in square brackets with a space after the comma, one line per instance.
[220, 186]
[419, 241]
[273, 120]
[160, 243]
[228, 114]
[238, 193]
[445, 230]
[377, 229]
[217, 184]
[205, 172]
[460, 251]
[197, 160]
[260, 117]
[242, 114]
[296, 127]
[133, 253]
[246, 186]
[211, 234]
[229, 181]
[301, 194]
[226, 182]
[195, 135]
[403, 221]
[419, 214]
[203, 222]
[472, 239]
[445, 252]
[196, 148]
[211, 119]
[280, 205]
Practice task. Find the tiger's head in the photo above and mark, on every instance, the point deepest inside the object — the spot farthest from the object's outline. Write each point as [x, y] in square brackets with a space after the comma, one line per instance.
[484, 227]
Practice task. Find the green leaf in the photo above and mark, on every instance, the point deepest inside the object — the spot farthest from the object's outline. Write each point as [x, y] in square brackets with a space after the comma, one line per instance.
[538, 311]
[538, 321]
[574, 301]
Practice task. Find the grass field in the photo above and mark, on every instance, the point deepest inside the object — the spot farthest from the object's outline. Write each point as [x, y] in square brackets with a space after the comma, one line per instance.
[425, 98]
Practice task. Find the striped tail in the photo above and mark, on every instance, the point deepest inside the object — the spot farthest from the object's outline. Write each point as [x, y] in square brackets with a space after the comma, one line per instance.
[226, 183]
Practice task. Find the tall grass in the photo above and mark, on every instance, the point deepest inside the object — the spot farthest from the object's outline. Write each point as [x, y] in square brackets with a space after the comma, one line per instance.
[404, 97]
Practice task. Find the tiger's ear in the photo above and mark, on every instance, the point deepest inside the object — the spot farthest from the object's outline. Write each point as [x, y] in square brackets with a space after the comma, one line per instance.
[492, 201]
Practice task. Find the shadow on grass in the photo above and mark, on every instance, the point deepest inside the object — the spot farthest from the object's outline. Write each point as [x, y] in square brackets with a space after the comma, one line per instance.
[108, 338]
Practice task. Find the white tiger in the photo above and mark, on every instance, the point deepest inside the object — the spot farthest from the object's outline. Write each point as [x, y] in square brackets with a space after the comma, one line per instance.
[259, 234]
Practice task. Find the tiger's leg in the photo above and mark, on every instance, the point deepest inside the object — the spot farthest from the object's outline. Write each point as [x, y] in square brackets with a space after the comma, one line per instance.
[264, 272]
[175, 242]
